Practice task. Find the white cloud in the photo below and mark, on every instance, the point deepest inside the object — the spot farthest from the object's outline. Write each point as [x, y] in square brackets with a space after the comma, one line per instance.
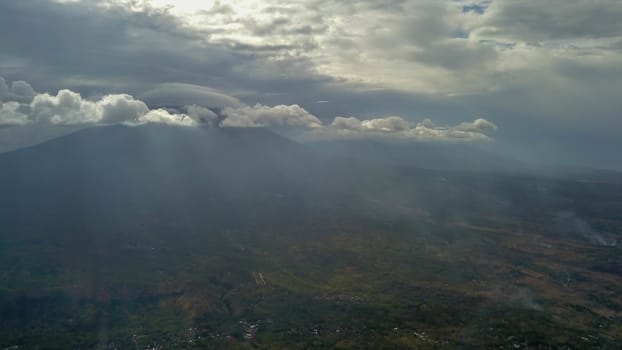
[260, 115]
[428, 131]
[390, 127]
[121, 108]
[66, 107]
[478, 125]
[10, 114]
[399, 128]
[21, 91]
[387, 124]
[202, 114]
[347, 124]
[69, 108]
[162, 116]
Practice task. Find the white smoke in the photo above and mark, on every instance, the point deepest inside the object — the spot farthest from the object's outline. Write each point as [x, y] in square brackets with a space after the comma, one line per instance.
[569, 222]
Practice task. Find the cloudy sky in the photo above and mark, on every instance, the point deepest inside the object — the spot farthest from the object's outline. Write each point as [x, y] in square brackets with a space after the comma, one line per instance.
[535, 79]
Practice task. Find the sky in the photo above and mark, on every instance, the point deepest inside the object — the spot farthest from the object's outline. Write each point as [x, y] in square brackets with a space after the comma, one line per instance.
[540, 80]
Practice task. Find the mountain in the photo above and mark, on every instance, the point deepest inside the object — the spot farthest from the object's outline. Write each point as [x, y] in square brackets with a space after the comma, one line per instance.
[108, 175]
[113, 175]
[120, 169]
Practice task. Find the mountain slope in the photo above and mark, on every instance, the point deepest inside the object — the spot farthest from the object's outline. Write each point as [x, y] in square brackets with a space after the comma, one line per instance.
[117, 168]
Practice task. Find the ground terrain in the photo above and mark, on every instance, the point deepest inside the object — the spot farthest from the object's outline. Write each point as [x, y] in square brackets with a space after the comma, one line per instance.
[406, 259]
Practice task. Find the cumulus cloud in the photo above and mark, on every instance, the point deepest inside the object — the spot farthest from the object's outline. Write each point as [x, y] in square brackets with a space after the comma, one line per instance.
[389, 124]
[429, 131]
[347, 124]
[398, 127]
[21, 91]
[10, 114]
[260, 115]
[69, 108]
[162, 116]
[202, 114]
[390, 127]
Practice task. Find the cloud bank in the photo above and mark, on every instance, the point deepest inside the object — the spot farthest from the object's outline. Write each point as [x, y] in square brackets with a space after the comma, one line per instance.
[69, 108]
[398, 127]
[280, 115]
[23, 107]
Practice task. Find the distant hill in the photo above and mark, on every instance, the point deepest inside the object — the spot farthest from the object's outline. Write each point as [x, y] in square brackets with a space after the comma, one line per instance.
[437, 156]
[458, 157]
[115, 175]
[109, 174]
